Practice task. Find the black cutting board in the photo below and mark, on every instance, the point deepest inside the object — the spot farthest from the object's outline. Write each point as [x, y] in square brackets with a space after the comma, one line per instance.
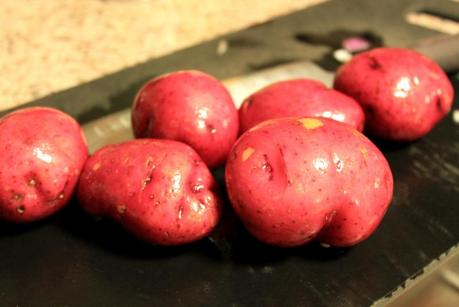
[74, 260]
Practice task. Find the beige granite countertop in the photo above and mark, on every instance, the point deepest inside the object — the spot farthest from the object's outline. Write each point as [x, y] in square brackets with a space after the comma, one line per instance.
[50, 45]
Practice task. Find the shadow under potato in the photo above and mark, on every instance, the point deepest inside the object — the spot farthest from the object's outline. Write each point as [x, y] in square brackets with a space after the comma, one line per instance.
[229, 242]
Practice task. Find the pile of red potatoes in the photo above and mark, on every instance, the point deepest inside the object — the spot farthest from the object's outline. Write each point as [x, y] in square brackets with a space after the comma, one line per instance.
[297, 166]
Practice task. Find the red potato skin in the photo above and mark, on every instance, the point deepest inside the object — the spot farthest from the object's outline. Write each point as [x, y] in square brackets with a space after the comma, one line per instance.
[191, 107]
[42, 151]
[159, 190]
[291, 180]
[299, 98]
[403, 93]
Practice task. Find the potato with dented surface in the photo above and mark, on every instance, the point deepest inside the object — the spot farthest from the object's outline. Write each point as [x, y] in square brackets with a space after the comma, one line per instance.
[299, 98]
[404, 94]
[191, 107]
[42, 152]
[159, 190]
[292, 180]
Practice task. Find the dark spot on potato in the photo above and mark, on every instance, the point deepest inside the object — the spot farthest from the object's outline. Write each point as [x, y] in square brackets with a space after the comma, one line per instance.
[249, 103]
[266, 166]
[211, 128]
[196, 188]
[21, 209]
[149, 161]
[18, 197]
[439, 104]
[374, 64]
[289, 182]
[121, 209]
[32, 182]
[196, 162]
[259, 211]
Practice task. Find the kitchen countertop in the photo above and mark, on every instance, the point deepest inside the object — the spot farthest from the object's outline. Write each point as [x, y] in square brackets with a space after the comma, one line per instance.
[48, 46]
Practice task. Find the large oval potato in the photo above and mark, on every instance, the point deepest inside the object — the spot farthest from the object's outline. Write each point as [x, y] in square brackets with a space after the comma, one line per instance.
[299, 98]
[291, 180]
[191, 107]
[159, 190]
[403, 93]
[42, 153]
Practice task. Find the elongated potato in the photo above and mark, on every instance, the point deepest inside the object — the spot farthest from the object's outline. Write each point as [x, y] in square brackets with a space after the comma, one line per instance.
[292, 180]
[159, 190]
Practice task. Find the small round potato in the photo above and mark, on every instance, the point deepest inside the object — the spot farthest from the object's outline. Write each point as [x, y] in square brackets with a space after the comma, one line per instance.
[403, 93]
[42, 153]
[292, 180]
[191, 107]
[299, 98]
[159, 190]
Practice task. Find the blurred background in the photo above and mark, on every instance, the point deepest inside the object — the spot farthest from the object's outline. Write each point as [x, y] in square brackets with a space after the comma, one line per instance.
[51, 45]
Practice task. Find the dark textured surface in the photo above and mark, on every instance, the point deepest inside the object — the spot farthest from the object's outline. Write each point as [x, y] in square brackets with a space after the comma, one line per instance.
[73, 260]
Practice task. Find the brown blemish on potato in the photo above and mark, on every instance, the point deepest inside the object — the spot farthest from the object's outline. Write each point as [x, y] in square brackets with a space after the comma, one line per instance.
[310, 123]
[247, 153]
[149, 161]
[211, 128]
[21, 209]
[96, 166]
[18, 197]
[266, 167]
[374, 64]
[121, 209]
[197, 187]
[32, 182]
[364, 153]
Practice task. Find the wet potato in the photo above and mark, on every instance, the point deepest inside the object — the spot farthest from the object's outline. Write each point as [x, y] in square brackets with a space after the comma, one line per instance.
[292, 180]
[42, 152]
[299, 98]
[159, 190]
[403, 93]
[191, 107]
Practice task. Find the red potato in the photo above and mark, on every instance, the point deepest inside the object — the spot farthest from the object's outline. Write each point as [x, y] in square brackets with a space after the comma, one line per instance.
[291, 180]
[299, 98]
[42, 152]
[191, 107]
[403, 93]
[159, 190]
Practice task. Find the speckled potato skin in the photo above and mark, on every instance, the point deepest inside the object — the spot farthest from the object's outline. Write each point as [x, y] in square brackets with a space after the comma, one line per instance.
[42, 152]
[291, 180]
[159, 190]
[191, 107]
[403, 93]
[299, 98]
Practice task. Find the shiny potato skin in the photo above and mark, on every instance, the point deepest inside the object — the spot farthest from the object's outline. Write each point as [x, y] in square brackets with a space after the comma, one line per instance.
[191, 107]
[404, 94]
[292, 180]
[42, 152]
[159, 190]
